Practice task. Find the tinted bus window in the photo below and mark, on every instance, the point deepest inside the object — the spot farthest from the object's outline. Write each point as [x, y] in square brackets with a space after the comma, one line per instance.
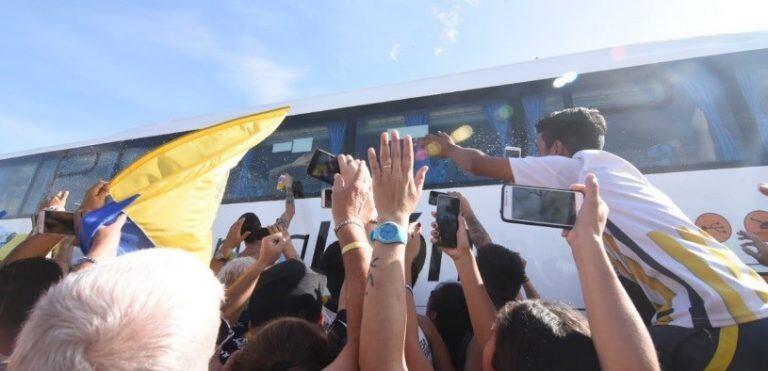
[39, 187]
[15, 177]
[671, 116]
[749, 74]
[136, 148]
[288, 150]
[83, 167]
[485, 126]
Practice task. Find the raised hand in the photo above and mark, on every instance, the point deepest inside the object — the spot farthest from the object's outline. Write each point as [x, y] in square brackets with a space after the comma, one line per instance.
[414, 243]
[591, 219]
[760, 253]
[396, 191]
[107, 239]
[463, 247]
[438, 145]
[94, 197]
[234, 237]
[465, 207]
[57, 202]
[271, 248]
[352, 198]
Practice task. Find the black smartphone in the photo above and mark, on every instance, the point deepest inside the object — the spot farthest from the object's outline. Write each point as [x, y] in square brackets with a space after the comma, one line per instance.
[447, 220]
[325, 198]
[538, 206]
[413, 217]
[55, 222]
[323, 166]
[433, 197]
[512, 152]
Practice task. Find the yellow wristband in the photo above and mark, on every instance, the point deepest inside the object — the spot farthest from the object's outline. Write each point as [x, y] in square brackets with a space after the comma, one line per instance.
[352, 246]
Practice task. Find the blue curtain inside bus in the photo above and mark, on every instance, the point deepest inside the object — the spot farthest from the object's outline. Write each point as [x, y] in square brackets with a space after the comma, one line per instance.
[699, 88]
[532, 106]
[497, 114]
[243, 188]
[750, 86]
[336, 131]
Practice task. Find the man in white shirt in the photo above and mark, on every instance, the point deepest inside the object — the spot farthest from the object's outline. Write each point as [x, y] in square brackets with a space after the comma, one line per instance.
[711, 308]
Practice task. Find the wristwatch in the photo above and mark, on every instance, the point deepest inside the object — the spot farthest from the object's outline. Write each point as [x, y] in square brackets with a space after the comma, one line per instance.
[389, 233]
[221, 257]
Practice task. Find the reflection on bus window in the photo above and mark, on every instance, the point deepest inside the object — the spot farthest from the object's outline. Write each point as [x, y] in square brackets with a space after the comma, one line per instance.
[38, 189]
[289, 150]
[136, 148]
[537, 105]
[82, 168]
[670, 116]
[15, 177]
[483, 126]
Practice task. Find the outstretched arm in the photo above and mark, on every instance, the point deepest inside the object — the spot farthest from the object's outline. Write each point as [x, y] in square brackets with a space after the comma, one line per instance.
[482, 313]
[610, 312]
[477, 233]
[470, 160]
[290, 206]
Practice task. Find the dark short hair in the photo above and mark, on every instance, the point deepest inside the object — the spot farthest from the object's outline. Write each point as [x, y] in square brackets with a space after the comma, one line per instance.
[447, 308]
[251, 223]
[577, 128]
[332, 266]
[287, 289]
[541, 335]
[21, 283]
[285, 344]
[502, 271]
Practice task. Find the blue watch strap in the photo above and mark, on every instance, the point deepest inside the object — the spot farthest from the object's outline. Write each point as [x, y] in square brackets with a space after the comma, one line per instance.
[389, 233]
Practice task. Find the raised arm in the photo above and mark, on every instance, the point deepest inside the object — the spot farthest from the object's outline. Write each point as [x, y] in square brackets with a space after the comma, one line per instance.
[232, 241]
[482, 313]
[396, 192]
[290, 206]
[610, 312]
[477, 233]
[470, 160]
[414, 356]
[352, 201]
[238, 293]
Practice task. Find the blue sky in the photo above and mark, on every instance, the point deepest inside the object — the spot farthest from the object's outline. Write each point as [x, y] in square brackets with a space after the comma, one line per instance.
[90, 69]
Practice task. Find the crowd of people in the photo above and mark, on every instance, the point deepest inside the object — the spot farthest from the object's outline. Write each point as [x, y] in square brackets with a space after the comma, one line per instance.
[257, 306]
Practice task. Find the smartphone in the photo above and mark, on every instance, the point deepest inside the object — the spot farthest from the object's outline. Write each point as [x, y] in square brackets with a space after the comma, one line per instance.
[55, 222]
[323, 166]
[413, 217]
[447, 220]
[325, 198]
[433, 197]
[546, 207]
[512, 152]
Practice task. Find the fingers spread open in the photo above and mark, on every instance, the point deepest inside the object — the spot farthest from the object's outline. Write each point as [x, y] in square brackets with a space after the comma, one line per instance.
[386, 161]
[421, 175]
[343, 164]
[395, 153]
[373, 162]
[407, 166]
[750, 252]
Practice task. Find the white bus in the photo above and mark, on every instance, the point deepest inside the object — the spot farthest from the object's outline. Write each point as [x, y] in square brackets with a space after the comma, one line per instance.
[691, 114]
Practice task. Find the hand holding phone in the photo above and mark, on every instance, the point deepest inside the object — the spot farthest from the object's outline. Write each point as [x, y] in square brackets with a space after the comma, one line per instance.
[447, 220]
[325, 198]
[55, 222]
[323, 166]
[546, 207]
[512, 152]
[433, 197]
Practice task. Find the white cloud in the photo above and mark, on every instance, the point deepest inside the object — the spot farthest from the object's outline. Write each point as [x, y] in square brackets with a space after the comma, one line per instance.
[450, 20]
[472, 2]
[19, 135]
[439, 51]
[394, 53]
[265, 80]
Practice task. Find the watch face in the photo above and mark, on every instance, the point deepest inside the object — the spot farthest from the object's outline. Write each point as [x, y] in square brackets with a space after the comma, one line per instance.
[388, 232]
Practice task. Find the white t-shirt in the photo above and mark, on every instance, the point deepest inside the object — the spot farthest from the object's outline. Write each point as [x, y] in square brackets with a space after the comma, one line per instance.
[691, 279]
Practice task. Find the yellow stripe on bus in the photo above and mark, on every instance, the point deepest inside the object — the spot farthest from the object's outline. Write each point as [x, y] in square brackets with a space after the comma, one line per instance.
[701, 269]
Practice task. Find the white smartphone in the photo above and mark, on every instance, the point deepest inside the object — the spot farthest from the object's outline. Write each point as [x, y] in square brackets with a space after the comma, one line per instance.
[512, 152]
[546, 207]
[325, 198]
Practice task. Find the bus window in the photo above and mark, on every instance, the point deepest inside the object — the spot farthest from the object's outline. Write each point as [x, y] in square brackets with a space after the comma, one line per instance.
[134, 149]
[667, 116]
[15, 177]
[38, 188]
[536, 105]
[750, 74]
[287, 150]
[483, 126]
[81, 168]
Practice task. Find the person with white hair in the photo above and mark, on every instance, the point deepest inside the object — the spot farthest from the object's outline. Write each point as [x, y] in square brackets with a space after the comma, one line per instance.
[234, 269]
[155, 309]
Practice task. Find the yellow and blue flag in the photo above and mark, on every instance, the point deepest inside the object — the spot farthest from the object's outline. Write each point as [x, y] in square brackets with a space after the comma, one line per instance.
[181, 183]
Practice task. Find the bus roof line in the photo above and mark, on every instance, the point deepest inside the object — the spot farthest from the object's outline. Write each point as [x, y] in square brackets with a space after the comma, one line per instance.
[537, 69]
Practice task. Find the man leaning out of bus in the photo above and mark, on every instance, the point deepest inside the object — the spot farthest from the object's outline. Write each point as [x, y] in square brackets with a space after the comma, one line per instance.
[711, 308]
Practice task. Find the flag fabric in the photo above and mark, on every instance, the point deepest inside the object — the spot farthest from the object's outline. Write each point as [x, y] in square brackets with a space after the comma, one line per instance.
[181, 183]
